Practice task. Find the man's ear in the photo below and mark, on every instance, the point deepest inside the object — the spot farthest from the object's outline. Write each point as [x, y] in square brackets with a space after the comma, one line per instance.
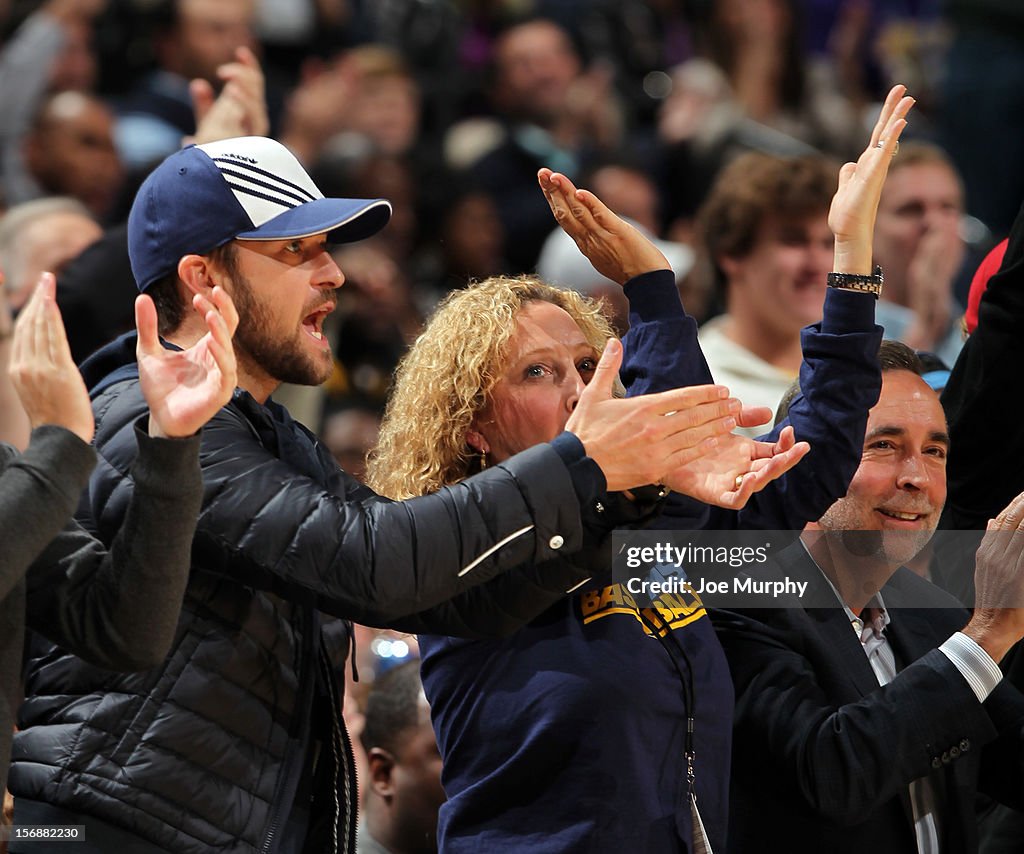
[195, 272]
[729, 264]
[381, 763]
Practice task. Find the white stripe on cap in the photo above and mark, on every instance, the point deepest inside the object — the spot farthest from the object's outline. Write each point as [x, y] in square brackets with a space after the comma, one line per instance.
[263, 175]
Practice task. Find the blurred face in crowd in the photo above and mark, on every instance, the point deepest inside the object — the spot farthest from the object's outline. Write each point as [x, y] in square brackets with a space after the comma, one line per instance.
[387, 110]
[47, 245]
[71, 151]
[383, 176]
[548, 363]
[206, 35]
[536, 64]
[629, 193]
[416, 781]
[780, 283]
[739, 18]
[473, 237]
[408, 783]
[75, 67]
[900, 487]
[916, 199]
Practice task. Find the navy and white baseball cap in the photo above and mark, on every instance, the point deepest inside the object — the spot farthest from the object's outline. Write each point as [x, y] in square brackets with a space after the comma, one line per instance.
[250, 188]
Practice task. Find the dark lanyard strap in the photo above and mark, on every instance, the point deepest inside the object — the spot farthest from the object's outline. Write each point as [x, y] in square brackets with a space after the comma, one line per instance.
[668, 640]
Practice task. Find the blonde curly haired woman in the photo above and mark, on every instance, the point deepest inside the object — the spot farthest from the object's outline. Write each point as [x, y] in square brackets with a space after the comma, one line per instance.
[499, 368]
[577, 732]
[444, 383]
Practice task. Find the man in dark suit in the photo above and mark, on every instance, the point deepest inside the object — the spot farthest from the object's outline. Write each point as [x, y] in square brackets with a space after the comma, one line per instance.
[871, 710]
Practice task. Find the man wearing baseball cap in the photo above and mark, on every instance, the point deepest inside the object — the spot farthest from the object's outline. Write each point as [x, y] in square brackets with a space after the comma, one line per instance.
[236, 743]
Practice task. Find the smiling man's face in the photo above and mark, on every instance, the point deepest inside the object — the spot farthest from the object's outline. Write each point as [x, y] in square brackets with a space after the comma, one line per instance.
[900, 487]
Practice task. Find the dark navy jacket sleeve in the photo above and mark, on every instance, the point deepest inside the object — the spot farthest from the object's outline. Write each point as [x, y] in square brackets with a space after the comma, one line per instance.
[840, 382]
[660, 349]
[279, 516]
[660, 352]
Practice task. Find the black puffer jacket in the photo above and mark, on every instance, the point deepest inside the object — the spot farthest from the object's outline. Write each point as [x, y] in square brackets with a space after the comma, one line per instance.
[204, 753]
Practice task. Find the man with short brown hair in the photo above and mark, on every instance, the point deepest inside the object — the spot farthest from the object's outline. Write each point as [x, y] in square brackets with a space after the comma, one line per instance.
[766, 235]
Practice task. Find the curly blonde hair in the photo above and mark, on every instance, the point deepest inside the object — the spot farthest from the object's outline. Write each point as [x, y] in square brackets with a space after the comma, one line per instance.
[447, 376]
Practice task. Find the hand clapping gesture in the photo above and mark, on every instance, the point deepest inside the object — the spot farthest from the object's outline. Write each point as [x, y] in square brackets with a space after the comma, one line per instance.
[855, 204]
[736, 467]
[998, 619]
[617, 250]
[42, 370]
[241, 107]
[726, 469]
[184, 388]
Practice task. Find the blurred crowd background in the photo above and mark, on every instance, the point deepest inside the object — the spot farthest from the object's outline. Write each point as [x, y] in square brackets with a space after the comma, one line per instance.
[447, 108]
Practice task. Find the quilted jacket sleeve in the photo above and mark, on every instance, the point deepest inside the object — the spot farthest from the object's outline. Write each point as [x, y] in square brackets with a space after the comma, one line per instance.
[344, 550]
[511, 600]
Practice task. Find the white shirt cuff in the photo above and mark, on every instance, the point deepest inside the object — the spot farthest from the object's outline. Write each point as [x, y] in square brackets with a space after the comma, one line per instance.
[976, 665]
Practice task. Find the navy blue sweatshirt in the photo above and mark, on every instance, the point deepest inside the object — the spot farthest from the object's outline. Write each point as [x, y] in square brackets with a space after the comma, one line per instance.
[569, 735]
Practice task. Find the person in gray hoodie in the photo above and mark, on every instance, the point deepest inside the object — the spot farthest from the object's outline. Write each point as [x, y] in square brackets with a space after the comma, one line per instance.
[115, 608]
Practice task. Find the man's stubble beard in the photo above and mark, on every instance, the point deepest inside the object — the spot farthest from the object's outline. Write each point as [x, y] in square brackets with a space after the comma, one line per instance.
[844, 521]
[283, 360]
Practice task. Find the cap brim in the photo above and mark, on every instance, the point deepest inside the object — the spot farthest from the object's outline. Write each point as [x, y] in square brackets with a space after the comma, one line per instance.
[345, 220]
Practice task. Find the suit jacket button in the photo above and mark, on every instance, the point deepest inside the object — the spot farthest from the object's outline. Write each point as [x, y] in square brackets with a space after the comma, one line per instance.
[556, 542]
[965, 745]
[936, 762]
[945, 758]
[954, 751]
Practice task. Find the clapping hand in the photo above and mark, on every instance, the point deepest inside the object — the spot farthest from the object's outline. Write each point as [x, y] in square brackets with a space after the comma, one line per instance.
[736, 467]
[635, 440]
[42, 370]
[855, 204]
[998, 620]
[617, 250]
[241, 107]
[185, 388]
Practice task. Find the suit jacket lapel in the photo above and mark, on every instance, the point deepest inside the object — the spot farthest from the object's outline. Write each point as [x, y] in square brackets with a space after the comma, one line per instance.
[832, 623]
[838, 635]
